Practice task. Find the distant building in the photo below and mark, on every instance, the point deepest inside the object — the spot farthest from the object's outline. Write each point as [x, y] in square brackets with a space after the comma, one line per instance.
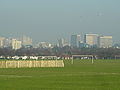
[7, 42]
[117, 45]
[105, 41]
[84, 45]
[91, 39]
[44, 45]
[75, 39]
[62, 42]
[2, 42]
[16, 44]
[26, 40]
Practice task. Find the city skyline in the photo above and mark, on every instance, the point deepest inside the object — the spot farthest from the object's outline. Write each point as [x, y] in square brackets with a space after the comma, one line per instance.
[55, 40]
[89, 41]
[57, 19]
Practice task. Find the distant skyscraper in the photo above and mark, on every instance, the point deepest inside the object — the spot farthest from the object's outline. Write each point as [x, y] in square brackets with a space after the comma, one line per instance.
[105, 41]
[16, 44]
[91, 39]
[2, 42]
[26, 40]
[62, 42]
[75, 39]
[8, 42]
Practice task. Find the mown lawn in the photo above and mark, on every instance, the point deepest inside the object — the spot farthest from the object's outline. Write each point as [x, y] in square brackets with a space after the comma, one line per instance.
[82, 75]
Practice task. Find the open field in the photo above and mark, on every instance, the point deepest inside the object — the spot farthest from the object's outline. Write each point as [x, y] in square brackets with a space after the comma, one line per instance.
[82, 75]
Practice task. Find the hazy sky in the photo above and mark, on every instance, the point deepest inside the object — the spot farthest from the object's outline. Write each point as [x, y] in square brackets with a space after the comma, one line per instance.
[48, 20]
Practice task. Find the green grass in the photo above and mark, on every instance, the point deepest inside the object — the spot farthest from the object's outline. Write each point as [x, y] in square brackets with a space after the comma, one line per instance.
[82, 75]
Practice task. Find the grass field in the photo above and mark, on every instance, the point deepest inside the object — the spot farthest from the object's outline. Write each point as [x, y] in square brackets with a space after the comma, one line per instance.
[82, 75]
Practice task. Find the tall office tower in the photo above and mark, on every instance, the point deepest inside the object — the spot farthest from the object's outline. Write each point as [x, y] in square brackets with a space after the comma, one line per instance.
[91, 39]
[75, 39]
[16, 44]
[105, 41]
[2, 42]
[26, 40]
[62, 42]
[7, 42]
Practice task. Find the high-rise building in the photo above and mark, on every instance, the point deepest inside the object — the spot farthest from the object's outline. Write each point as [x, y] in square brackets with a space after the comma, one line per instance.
[105, 41]
[8, 42]
[75, 39]
[16, 44]
[62, 42]
[91, 39]
[2, 42]
[26, 40]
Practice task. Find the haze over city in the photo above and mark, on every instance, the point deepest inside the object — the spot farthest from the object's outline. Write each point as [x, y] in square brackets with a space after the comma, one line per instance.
[48, 20]
[59, 45]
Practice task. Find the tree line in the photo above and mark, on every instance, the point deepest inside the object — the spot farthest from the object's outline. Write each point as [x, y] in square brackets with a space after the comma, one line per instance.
[67, 51]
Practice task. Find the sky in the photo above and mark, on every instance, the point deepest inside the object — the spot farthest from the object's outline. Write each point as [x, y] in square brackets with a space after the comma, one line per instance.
[49, 20]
